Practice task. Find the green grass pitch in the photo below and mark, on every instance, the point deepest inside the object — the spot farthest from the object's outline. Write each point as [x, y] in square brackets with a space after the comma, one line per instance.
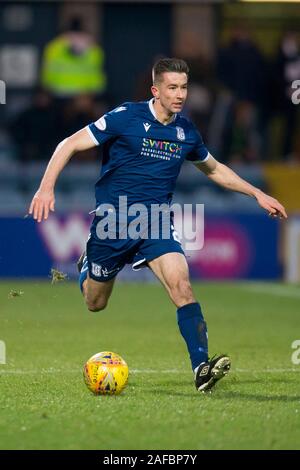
[44, 403]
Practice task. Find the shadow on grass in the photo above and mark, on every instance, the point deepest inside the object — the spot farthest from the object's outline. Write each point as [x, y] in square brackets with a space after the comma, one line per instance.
[265, 381]
[226, 391]
[219, 394]
[255, 397]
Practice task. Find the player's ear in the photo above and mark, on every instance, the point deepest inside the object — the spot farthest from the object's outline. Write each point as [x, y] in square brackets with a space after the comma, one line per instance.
[155, 92]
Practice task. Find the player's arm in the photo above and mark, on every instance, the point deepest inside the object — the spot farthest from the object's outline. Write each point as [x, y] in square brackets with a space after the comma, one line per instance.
[225, 177]
[44, 200]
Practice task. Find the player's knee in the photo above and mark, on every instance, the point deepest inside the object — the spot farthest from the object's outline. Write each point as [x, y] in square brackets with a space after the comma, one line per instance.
[181, 292]
[96, 305]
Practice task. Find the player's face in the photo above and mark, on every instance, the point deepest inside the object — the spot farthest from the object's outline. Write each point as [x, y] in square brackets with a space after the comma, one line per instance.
[171, 91]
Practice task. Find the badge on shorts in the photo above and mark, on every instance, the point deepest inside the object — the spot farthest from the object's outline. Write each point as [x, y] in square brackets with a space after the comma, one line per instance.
[180, 133]
[96, 269]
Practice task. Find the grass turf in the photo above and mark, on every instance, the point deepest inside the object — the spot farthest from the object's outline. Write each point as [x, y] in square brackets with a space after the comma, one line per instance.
[44, 403]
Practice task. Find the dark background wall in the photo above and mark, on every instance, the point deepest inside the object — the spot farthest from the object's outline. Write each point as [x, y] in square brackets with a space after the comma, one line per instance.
[133, 35]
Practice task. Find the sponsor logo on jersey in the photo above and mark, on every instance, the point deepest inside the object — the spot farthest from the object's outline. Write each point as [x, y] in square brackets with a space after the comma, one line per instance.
[162, 145]
[146, 126]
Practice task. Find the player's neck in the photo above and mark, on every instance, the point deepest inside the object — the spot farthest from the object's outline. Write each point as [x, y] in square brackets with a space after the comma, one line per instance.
[162, 115]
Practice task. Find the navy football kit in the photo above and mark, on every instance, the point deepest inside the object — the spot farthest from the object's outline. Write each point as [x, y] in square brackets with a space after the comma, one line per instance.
[141, 162]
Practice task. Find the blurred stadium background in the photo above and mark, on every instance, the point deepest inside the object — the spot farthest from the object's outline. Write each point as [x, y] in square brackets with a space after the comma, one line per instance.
[63, 64]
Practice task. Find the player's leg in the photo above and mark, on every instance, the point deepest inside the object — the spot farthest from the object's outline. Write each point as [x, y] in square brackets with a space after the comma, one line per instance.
[172, 270]
[95, 293]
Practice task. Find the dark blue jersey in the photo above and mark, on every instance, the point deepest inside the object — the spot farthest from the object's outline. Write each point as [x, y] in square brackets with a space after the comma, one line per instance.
[142, 157]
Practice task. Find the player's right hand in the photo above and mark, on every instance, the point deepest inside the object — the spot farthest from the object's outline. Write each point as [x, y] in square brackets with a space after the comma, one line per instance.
[42, 202]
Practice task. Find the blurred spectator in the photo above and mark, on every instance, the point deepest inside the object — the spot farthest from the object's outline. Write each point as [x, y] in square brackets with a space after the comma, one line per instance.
[286, 70]
[242, 69]
[202, 91]
[35, 129]
[242, 72]
[78, 113]
[72, 63]
[244, 139]
[143, 83]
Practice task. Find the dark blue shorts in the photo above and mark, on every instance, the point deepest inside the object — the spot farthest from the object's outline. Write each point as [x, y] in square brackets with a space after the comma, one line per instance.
[107, 257]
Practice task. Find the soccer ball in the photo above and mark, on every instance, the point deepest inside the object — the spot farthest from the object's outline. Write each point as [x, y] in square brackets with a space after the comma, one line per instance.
[106, 373]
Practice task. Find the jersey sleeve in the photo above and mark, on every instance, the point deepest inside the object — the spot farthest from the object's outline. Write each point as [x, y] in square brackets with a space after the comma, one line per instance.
[110, 125]
[199, 153]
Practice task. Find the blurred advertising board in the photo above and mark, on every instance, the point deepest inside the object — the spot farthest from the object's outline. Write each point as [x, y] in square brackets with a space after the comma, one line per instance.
[238, 247]
[235, 247]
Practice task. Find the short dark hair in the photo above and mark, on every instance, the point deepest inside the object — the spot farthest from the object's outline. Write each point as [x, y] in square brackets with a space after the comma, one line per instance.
[168, 65]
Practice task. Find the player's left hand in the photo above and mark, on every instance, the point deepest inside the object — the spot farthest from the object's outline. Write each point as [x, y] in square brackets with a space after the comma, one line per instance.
[270, 204]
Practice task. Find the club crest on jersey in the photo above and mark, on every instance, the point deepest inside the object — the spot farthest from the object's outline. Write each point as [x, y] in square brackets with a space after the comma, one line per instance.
[180, 133]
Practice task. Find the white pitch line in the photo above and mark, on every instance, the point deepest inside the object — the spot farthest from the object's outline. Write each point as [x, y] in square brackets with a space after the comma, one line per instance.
[280, 291]
[266, 371]
[76, 371]
[142, 371]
